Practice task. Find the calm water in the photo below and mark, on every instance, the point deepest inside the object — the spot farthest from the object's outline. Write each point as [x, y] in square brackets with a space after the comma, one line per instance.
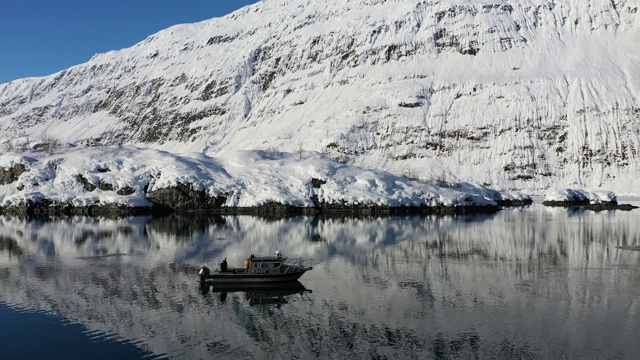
[532, 283]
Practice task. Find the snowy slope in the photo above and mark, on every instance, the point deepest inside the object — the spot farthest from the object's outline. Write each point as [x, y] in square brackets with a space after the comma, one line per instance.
[512, 94]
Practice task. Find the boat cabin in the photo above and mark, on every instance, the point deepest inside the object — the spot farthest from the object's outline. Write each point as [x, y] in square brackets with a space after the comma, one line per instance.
[267, 264]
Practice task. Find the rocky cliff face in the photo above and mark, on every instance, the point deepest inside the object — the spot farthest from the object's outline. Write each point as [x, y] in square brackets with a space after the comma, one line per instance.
[514, 94]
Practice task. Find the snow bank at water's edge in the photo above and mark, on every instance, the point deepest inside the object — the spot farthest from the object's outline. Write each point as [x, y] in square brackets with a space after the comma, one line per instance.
[130, 176]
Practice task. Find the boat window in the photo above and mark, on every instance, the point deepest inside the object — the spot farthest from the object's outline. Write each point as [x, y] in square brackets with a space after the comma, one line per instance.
[265, 265]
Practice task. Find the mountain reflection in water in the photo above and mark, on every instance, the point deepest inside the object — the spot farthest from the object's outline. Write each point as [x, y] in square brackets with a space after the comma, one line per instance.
[523, 283]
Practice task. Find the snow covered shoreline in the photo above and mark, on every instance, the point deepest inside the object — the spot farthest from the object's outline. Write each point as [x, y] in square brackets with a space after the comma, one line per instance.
[97, 180]
[596, 200]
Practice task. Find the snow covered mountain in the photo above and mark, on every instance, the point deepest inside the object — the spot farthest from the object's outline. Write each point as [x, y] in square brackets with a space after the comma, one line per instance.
[511, 94]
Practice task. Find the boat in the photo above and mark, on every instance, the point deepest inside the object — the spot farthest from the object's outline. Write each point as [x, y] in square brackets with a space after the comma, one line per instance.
[262, 269]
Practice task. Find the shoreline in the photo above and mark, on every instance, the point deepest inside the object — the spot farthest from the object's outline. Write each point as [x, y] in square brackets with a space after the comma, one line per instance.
[47, 208]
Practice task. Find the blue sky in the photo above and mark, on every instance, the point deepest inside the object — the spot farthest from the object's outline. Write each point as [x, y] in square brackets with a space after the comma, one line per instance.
[41, 37]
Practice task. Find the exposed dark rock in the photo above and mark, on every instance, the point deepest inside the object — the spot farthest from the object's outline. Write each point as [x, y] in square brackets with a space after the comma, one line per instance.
[105, 186]
[10, 175]
[267, 79]
[127, 190]
[208, 91]
[514, 203]
[586, 205]
[559, 203]
[316, 183]
[218, 39]
[469, 51]
[410, 105]
[183, 197]
[47, 208]
[321, 207]
[88, 186]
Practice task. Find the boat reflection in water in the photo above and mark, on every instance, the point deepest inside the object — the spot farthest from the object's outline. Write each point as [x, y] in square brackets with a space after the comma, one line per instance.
[258, 294]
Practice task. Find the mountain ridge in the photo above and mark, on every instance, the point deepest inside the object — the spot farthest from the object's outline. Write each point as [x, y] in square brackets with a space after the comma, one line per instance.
[520, 95]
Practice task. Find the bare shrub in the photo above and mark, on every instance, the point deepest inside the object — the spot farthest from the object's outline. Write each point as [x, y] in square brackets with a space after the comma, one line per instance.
[48, 143]
[411, 174]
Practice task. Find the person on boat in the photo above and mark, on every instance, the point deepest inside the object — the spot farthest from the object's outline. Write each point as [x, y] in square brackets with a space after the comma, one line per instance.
[223, 265]
[247, 263]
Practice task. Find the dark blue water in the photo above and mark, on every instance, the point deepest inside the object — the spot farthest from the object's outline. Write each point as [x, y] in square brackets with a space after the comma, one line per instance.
[531, 283]
[28, 334]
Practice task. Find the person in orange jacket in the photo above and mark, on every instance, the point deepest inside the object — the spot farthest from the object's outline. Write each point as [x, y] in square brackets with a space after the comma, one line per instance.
[247, 263]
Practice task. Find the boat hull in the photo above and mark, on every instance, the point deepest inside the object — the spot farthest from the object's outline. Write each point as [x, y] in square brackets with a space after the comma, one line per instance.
[249, 278]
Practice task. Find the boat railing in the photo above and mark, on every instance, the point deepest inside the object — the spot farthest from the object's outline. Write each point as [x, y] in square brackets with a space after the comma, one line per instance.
[292, 265]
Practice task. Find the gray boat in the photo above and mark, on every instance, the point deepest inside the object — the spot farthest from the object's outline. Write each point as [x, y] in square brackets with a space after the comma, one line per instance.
[262, 269]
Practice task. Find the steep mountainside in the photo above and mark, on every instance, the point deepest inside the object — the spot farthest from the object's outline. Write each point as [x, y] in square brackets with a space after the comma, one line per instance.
[517, 94]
